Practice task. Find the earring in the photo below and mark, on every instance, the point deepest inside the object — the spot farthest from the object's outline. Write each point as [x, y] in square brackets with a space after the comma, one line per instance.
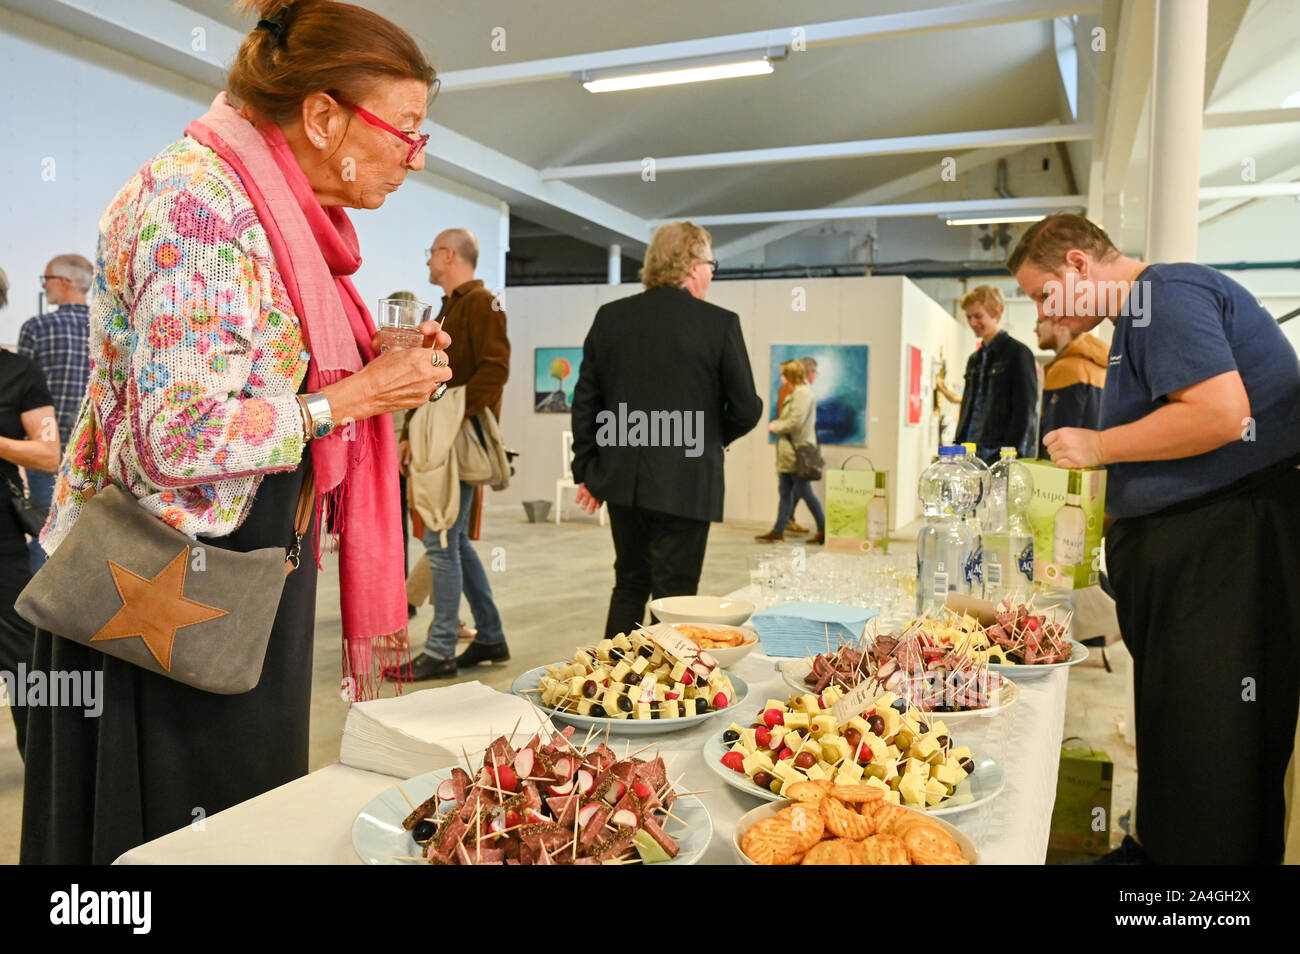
[320, 140]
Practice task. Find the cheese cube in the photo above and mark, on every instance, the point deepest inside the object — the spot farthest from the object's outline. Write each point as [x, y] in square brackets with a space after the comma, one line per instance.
[796, 720]
[583, 659]
[757, 762]
[643, 710]
[622, 642]
[619, 671]
[603, 647]
[832, 695]
[670, 710]
[811, 745]
[834, 748]
[935, 792]
[893, 798]
[776, 704]
[824, 724]
[786, 771]
[959, 752]
[917, 767]
[925, 747]
[912, 790]
[947, 774]
[815, 772]
[640, 665]
[849, 773]
[584, 707]
[575, 685]
[938, 728]
[876, 783]
[678, 672]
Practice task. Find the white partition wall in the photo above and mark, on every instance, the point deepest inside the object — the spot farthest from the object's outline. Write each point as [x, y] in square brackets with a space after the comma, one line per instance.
[887, 314]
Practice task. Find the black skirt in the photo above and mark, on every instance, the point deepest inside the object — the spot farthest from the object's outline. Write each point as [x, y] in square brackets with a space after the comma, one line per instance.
[162, 755]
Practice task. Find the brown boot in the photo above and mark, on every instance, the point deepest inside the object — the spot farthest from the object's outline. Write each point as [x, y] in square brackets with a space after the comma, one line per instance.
[817, 540]
[794, 528]
[771, 537]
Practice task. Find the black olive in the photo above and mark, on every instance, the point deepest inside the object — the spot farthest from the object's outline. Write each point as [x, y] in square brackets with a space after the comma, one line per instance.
[616, 654]
[967, 764]
[701, 681]
[598, 711]
[943, 741]
[900, 705]
[943, 708]
[624, 703]
[632, 678]
[646, 651]
[923, 727]
[424, 831]
[731, 735]
[701, 706]
[654, 712]
[589, 688]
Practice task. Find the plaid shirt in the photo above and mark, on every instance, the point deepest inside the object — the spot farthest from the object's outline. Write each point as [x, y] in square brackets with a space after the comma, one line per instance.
[58, 341]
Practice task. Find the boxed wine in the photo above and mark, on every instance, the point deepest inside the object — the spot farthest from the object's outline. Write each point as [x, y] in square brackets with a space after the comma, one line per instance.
[857, 510]
[1066, 512]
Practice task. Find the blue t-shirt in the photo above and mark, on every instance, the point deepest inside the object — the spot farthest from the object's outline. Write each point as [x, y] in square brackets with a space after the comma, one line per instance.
[1196, 323]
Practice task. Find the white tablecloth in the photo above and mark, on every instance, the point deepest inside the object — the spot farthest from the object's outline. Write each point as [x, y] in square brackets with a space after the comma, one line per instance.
[309, 821]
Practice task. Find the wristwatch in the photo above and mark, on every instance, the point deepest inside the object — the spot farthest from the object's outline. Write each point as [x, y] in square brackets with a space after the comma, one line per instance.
[321, 419]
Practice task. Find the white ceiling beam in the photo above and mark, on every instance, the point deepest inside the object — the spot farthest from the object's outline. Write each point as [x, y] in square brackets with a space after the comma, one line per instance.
[895, 210]
[163, 33]
[896, 145]
[1223, 207]
[903, 185]
[1251, 117]
[891, 25]
[1250, 190]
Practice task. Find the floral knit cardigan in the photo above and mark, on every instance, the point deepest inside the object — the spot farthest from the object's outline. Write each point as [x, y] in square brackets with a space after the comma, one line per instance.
[196, 353]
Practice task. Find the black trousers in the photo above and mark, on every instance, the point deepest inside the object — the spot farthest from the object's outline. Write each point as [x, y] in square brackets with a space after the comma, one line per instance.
[655, 554]
[1208, 599]
[16, 634]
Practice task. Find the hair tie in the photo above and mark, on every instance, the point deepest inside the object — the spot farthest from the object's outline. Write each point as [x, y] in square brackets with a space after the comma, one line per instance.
[275, 25]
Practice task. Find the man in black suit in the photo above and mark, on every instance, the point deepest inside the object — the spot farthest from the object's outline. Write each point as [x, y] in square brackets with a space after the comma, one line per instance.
[665, 385]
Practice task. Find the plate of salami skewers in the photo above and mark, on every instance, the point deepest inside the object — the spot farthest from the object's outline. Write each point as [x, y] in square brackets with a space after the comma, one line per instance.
[550, 802]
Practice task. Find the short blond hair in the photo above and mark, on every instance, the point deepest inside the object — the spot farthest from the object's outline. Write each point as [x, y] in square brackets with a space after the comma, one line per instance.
[986, 295]
[793, 371]
[674, 250]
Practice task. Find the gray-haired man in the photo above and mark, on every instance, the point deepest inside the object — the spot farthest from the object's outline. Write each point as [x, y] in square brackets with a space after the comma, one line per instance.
[58, 341]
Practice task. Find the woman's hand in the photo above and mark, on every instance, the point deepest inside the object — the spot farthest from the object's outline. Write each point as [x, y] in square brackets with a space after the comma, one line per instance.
[394, 381]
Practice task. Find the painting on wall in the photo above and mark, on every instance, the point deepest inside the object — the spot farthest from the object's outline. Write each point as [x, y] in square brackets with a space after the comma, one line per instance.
[914, 385]
[840, 387]
[555, 374]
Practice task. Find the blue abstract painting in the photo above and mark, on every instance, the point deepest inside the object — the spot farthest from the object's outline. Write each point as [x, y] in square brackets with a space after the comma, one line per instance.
[840, 386]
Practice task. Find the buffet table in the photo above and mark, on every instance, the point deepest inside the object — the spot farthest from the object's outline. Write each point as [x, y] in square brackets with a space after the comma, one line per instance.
[309, 820]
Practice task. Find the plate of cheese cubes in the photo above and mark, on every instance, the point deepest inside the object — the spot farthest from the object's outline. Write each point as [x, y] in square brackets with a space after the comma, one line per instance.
[632, 686]
[906, 753]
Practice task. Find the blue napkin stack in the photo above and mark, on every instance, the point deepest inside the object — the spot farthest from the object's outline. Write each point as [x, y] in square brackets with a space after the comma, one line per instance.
[801, 629]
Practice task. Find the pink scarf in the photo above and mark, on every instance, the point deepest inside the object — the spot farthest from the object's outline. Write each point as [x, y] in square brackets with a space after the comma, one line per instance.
[356, 466]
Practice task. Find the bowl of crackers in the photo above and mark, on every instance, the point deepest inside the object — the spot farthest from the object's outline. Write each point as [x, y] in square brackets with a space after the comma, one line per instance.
[727, 644]
[826, 824]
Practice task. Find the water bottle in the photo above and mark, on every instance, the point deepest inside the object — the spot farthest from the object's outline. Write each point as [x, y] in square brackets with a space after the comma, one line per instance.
[979, 476]
[944, 545]
[1008, 535]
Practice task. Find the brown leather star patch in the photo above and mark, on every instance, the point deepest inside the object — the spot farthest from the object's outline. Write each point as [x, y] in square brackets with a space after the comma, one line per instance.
[155, 609]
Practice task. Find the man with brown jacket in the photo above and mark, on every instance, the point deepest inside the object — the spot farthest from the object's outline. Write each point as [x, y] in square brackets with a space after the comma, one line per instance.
[1072, 381]
[479, 356]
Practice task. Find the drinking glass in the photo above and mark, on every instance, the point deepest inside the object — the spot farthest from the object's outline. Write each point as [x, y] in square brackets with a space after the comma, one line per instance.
[399, 323]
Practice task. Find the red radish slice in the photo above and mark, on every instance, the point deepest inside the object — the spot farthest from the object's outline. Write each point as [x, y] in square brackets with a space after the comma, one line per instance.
[565, 789]
[532, 816]
[616, 791]
[585, 813]
[586, 781]
[524, 763]
[720, 701]
[513, 819]
[564, 767]
[505, 779]
[670, 696]
[707, 660]
[642, 790]
[447, 791]
[496, 825]
[625, 819]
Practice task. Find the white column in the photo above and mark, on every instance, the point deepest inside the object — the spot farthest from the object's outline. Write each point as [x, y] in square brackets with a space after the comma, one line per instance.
[1177, 105]
[503, 241]
[615, 264]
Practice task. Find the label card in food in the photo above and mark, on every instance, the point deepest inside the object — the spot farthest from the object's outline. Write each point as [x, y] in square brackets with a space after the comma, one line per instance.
[673, 642]
[855, 702]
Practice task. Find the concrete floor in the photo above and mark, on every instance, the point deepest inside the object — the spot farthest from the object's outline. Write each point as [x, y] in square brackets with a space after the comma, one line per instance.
[552, 588]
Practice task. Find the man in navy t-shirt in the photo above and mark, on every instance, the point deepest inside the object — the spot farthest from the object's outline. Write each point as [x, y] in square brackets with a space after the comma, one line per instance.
[1200, 433]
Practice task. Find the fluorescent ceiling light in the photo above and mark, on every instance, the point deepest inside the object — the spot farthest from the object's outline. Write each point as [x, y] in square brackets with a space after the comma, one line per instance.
[978, 219]
[675, 72]
[1292, 100]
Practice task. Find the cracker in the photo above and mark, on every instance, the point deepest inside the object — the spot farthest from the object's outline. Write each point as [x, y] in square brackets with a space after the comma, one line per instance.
[857, 794]
[931, 845]
[885, 850]
[806, 822]
[833, 852]
[770, 841]
[805, 792]
[844, 822]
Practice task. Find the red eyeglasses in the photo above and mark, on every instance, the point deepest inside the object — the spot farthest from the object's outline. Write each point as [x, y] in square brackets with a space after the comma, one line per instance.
[417, 143]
